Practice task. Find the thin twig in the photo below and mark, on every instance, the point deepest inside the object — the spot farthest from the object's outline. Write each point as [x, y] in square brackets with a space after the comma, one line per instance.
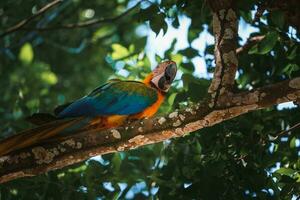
[286, 131]
[84, 24]
[278, 135]
[22, 23]
[250, 43]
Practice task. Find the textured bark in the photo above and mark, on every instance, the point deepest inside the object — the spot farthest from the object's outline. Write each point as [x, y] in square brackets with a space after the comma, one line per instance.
[225, 27]
[57, 154]
[223, 105]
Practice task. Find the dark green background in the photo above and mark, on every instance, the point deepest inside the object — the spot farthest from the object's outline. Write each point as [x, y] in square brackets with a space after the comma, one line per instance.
[233, 160]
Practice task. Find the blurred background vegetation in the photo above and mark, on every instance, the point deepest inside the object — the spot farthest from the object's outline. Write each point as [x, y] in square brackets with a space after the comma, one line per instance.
[237, 159]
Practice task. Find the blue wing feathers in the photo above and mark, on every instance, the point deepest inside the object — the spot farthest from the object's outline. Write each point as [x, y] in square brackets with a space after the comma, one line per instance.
[117, 97]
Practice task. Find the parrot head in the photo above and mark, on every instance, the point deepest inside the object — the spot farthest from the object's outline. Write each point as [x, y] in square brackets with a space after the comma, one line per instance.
[163, 75]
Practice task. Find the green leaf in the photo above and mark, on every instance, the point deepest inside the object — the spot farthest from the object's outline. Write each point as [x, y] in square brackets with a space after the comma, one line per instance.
[175, 23]
[131, 48]
[293, 142]
[102, 32]
[187, 67]
[192, 35]
[176, 58]
[266, 45]
[158, 22]
[119, 51]
[290, 68]
[146, 62]
[158, 58]
[286, 171]
[172, 98]
[146, 14]
[49, 77]
[116, 161]
[253, 49]
[33, 103]
[198, 147]
[140, 42]
[246, 16]
[189, 52]
[26, 53]
[80, 168]
[187, 78]
[210, 49]
[277, 17]
[191, 84]
[292, 53]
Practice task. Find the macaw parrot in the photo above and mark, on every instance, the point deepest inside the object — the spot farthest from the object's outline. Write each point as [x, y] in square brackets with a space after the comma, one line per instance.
[107, 106]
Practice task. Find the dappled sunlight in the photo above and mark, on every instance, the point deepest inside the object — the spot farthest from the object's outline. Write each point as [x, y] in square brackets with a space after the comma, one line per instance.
[228, 123]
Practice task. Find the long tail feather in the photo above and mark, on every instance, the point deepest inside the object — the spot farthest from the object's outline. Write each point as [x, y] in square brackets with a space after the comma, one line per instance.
[57, 130]
[41, 118]
[39, 134]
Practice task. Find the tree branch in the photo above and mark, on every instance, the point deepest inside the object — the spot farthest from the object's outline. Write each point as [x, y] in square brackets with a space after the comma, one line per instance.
[22, 23]
[83, 145]
[250, 43]
[88, 23]
[225, 28]
[282, 133]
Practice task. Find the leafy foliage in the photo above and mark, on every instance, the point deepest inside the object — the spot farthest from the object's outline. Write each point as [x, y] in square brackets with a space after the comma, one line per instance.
[238, 159]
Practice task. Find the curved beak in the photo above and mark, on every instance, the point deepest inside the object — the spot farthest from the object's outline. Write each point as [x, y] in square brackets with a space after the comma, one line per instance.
[167, 78]
[170, 73]
[165, 74]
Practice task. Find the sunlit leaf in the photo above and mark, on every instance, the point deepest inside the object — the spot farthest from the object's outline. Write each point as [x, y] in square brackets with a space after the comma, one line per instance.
[158, 58]
[233, 159]
[102, 32]
[293, 142]
[49, 77]
[172, 98]
[177, 58]
[119, 51]
[33, 103]
[78, 169]
[26, 53]
[286, 171]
